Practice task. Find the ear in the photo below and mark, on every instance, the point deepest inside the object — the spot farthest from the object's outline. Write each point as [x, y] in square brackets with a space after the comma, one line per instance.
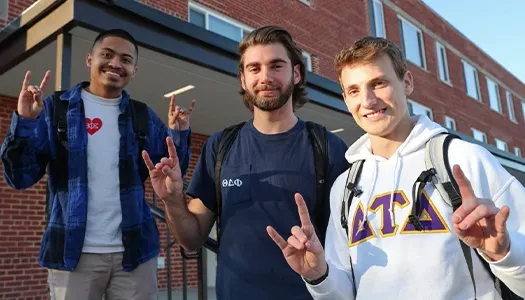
[408, 82]
[243, 83]
[89, 58]
[296, 74]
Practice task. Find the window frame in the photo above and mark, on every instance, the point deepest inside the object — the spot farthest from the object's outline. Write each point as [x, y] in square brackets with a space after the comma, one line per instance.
[447, 119]
[490, 82]
[476, 79]
[207, 12]
[4, 14]
[517, 151]
[421, 42]
[373, 17]
[424, 107]
[474, 130]
[440, 47]
[498, 141]
[510, 106]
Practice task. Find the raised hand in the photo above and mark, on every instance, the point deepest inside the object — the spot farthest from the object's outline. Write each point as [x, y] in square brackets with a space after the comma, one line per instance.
[479, 223]
[166, 177]
[178, 117]
[303, 250]
[30, 102]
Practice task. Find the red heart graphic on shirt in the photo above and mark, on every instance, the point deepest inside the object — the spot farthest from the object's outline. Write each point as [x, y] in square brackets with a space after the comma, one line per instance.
[93, 126]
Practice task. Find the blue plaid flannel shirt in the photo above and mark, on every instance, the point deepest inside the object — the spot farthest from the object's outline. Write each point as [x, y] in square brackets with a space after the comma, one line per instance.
[30, 148]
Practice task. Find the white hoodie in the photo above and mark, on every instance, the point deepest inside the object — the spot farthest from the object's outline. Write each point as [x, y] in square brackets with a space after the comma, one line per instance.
[398, 262]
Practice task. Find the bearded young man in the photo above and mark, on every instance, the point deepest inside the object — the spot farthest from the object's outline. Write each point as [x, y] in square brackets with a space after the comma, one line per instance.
[270, 159]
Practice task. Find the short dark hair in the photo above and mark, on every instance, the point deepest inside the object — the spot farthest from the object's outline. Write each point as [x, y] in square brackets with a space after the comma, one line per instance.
[121, 33]
[267, 35]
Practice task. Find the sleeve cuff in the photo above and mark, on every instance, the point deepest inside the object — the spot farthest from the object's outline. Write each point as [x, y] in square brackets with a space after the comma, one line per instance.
[325, 287]
[514, 258]
[22, 127]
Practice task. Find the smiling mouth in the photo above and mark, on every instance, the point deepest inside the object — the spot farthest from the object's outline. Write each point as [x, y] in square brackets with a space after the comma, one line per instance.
[112, 74]
[375, 113]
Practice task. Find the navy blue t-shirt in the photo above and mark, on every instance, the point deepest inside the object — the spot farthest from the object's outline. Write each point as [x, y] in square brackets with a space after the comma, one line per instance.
[260, 175]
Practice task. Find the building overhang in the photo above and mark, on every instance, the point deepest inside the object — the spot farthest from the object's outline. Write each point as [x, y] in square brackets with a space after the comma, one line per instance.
[56, 35]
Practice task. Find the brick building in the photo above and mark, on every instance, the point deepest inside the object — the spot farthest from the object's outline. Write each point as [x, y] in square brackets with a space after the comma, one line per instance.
[194, 43]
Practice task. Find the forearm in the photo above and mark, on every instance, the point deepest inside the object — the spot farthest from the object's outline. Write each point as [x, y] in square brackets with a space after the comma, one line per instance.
[337, 286]
[184, 225]
[511, 269]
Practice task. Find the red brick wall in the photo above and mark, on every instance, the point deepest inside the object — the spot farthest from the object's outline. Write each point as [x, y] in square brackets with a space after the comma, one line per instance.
[15, 8]
[22, 223]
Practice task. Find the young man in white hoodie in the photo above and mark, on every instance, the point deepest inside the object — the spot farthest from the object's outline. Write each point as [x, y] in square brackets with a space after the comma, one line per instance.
[384, 256]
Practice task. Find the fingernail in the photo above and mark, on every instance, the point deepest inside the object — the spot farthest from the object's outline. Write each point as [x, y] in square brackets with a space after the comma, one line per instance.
[457, 218]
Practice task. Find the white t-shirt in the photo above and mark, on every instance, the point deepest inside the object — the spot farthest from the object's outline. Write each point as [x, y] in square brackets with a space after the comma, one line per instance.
[104, 213]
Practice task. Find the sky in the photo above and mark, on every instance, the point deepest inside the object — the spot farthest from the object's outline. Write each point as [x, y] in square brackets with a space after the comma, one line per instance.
[497, 27]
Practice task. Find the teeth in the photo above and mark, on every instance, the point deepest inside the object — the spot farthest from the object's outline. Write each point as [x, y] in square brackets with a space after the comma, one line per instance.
[374, 114]
[113, 74]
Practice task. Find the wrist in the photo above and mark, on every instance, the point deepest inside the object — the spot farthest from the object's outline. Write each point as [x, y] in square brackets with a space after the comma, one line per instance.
[315, 281]
[495, 256]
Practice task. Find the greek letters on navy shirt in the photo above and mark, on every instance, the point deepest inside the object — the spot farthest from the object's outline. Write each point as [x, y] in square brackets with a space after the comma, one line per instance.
[260, 175]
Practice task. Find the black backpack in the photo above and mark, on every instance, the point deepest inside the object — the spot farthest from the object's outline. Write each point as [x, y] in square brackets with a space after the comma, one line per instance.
[140, 120]
[438, 173]
[319, 139]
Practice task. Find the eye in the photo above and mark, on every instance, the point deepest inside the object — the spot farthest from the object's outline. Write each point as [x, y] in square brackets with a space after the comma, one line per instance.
[126, 60]
[352, 92]
[105, 54]
[380, 83]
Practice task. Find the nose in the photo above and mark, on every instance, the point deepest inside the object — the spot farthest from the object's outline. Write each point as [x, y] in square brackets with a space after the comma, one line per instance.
[265, 76]
[369, 99]
[115, 62]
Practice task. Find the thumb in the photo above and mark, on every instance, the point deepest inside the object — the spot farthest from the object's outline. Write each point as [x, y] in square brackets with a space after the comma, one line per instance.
[501, 219]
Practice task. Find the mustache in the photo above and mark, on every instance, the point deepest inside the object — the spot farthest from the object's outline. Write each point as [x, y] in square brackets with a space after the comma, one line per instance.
[267, 87]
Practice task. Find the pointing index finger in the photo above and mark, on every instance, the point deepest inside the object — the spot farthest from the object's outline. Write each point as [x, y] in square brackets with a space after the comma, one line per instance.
[172, 103]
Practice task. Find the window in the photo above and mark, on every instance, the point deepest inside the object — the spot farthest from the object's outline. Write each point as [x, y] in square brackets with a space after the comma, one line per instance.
[417, 109]
[471, 81]
[510, 106]
[307, 60]
[217, 23]
[517, 151]
[479, 135]
[412, 43]
[494, 101]
[442, 63]
[377, 20]
[501, 145]
[450, 123]
[307, 2]
[523, 109]
[4, 8]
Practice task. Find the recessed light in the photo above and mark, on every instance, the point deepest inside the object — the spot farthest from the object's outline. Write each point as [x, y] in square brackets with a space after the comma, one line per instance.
[179, 91]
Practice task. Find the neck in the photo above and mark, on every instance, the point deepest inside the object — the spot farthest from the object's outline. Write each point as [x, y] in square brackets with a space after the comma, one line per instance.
[386, 146]
[276, 121]
[101, 91]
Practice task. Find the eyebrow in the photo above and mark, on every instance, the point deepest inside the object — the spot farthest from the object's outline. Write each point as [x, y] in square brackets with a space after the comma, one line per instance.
[273, 61]
[380, 77]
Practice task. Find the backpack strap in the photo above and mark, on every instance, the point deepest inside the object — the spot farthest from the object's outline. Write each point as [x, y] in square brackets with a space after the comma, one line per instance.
[436, 158]
[60, 109]
[225, 142]
[351, 190]
[140, 121]
[319, 139]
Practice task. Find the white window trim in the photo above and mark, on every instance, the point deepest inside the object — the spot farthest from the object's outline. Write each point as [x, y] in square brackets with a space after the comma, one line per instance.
[382, 12]
[476, 74]
[502, 142]
[482, 133]
[523, 109]
[439, 47]
[510, 106]
[423, 56]
[207, 12]
[517, 151]
[500, 108]
[424, 107]
[5, 4]
[308, 62]
[447, 119]
[306, 2]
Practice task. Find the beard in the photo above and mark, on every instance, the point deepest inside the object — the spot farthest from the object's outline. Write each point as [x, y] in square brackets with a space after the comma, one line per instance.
[268, 103]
